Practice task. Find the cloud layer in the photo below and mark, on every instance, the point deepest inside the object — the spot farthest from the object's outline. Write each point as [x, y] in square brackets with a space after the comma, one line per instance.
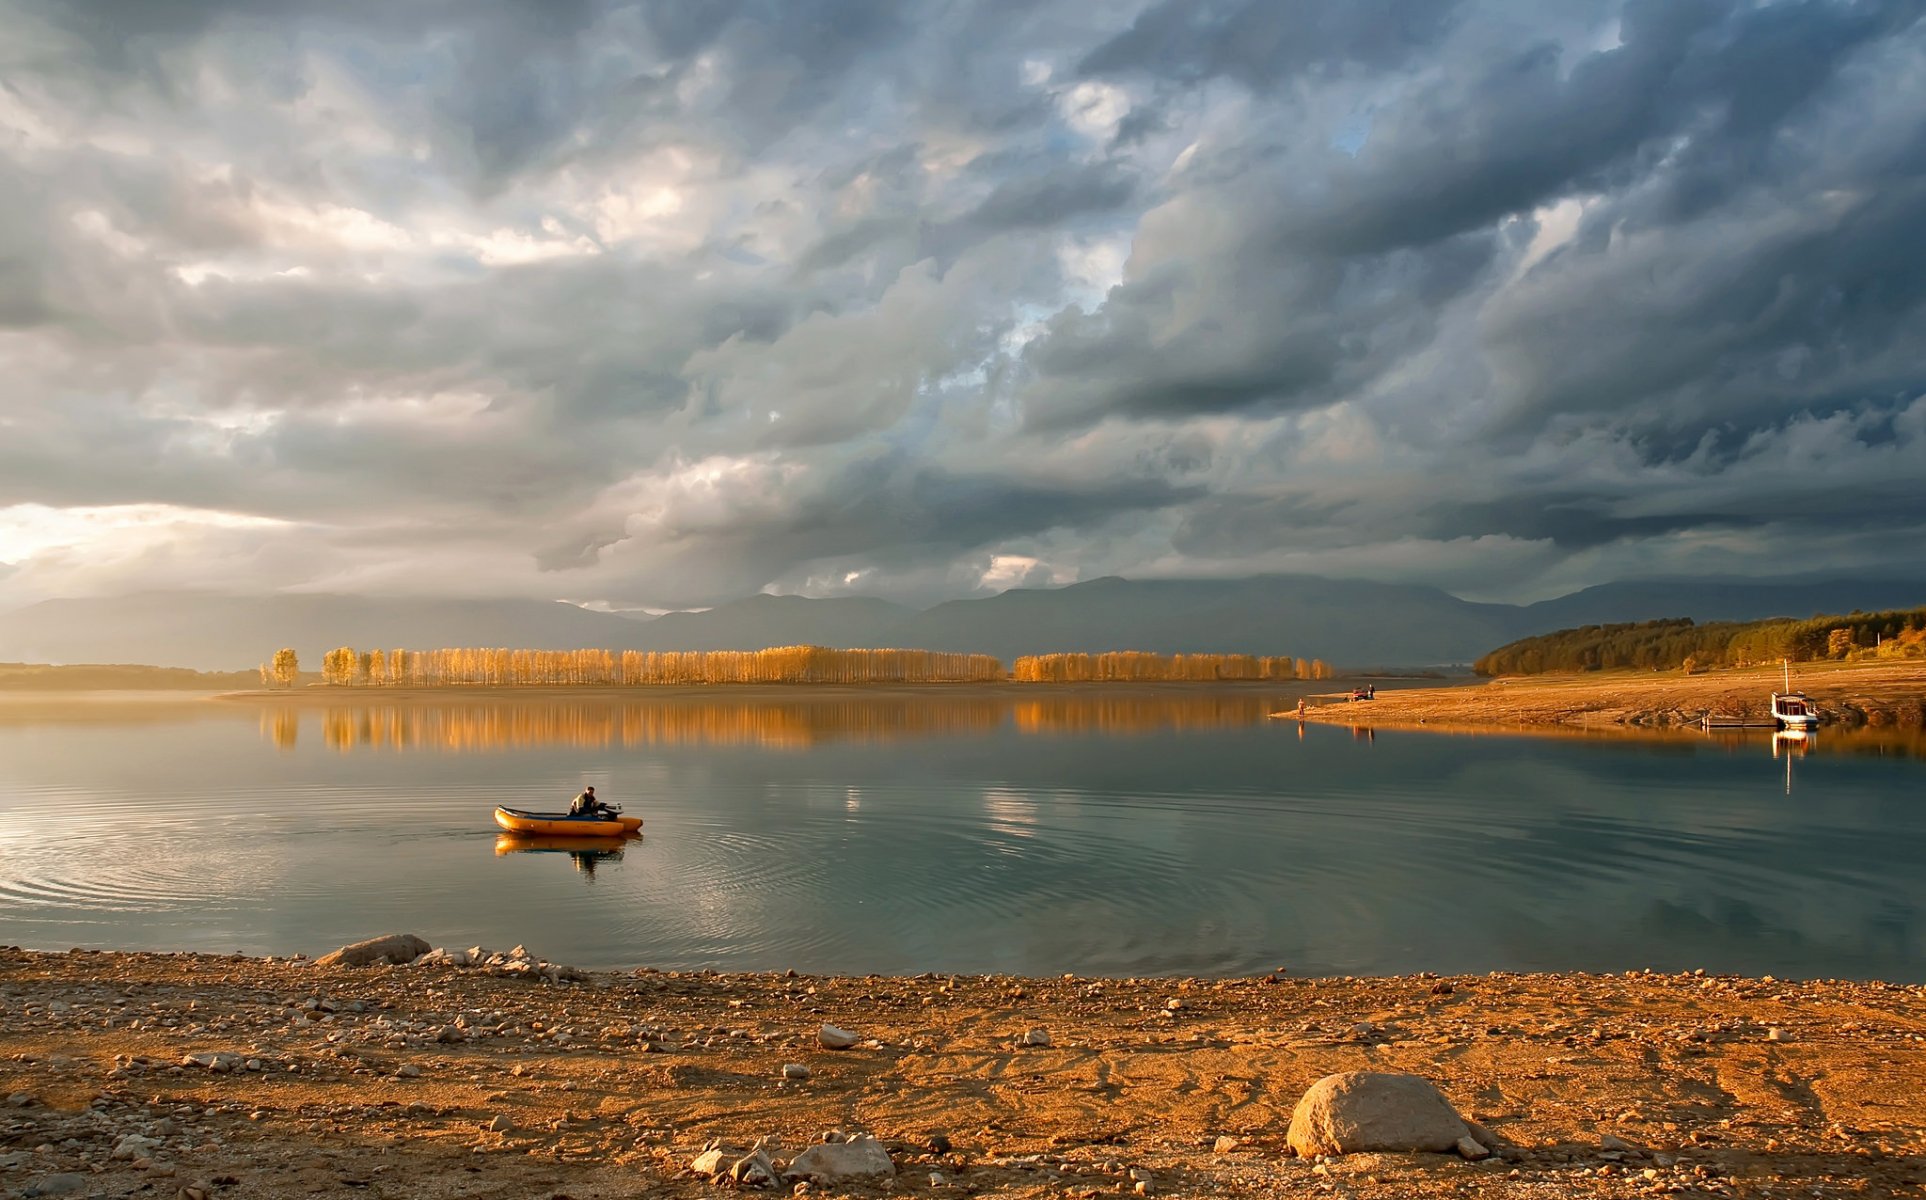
[656, 304]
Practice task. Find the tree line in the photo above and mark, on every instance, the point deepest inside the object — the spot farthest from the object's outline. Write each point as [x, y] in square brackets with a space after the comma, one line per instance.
[471, 666]
[346, 666]
[1137, 666]
[1680, 643]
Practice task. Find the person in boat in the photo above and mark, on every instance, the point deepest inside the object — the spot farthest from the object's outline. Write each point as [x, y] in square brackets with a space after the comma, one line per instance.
[586, 805]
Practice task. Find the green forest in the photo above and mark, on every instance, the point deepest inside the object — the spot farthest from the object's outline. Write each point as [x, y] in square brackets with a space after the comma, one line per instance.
[1679, 643]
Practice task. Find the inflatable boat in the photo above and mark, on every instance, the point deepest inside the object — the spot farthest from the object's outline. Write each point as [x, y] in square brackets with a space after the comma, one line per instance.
[561, 824]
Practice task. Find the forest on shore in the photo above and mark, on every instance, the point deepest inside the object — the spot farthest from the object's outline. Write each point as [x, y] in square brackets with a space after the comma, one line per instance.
[346, 666]
[1679, 643]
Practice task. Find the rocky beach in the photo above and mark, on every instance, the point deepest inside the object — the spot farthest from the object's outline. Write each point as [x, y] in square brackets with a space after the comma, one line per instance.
[476, 1073]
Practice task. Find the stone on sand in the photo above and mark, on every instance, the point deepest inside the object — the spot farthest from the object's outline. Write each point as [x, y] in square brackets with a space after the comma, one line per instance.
[1374, 1110]
[861, 1157]
[833, 1038]
[397, 948]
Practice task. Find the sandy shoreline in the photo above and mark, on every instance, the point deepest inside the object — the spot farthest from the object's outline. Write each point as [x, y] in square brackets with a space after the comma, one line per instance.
[610, 1086]
[1879, 695]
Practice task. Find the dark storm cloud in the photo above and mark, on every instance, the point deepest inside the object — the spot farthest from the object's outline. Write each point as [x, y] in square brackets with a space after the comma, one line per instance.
[1239, 331]
[1263, 43]
[1265, 305]
[673, 301]
[890, 511]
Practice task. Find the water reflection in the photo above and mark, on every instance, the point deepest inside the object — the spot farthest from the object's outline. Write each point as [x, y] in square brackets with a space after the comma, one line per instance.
[586, 854]
[776, 723]
[1181, 833]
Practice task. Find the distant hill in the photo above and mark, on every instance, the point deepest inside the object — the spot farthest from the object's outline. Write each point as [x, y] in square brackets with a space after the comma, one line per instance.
[1679, 642]
[847, 623]
[1345, 622]
[219, 632]
[1348, 622]
[1720, 600]
[119, 677]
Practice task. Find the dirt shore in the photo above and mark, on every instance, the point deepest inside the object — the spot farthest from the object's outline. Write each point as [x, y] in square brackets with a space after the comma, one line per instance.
[1879, 695]
[445, 1081]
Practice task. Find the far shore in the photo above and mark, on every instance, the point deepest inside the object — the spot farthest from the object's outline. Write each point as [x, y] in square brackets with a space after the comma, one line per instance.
[757, 692]
[1875, 694]
[214, 1077]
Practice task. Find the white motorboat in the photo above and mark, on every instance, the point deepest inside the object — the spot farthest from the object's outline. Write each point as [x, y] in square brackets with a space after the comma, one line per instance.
[1793, 710]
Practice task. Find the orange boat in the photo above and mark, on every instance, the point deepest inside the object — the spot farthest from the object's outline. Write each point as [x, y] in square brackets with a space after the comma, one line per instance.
[545, 824]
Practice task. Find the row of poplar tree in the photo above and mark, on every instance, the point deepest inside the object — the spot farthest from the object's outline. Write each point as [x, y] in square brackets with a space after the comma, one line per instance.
[1137, 666]
[346, 666]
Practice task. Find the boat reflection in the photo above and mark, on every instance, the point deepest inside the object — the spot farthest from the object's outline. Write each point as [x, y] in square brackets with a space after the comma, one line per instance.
[587, 853]
[1793, 743]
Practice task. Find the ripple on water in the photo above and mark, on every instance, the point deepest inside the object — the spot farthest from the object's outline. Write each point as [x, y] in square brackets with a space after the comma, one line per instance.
[1206, 854]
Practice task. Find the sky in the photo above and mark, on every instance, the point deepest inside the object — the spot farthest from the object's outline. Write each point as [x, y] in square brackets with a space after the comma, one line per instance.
[655, 305]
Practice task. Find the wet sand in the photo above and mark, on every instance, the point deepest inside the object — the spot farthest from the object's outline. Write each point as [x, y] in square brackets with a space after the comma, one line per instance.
[1878, 695]
[385, 1081]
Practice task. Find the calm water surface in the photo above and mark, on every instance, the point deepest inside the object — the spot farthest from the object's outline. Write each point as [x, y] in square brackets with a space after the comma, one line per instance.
[1169, 833]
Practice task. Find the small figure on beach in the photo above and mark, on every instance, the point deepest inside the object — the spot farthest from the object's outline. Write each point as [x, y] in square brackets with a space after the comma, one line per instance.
[1300, 708]
[586, 805]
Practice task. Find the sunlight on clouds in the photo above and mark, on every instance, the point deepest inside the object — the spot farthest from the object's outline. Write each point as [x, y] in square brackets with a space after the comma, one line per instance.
[510, 247]
[1557, 225]
[1021, 570]
[707, 494]
[1092, 266]
[30, 529]
[96, 225]
[294, 225]
[1094, 109]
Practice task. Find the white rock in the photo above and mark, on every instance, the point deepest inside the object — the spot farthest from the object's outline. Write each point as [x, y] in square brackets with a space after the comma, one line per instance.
[1374, 1110]
[134, 1146]
[213, 1061]
[753, 1170]
[1472, 1150]
[795, 1071]
[1224, 1145]
[1035, 1037]
[833, 1038]
[394, 948]
[861, 1157]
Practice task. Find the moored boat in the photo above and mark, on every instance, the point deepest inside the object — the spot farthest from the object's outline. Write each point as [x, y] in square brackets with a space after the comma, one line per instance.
[551, 824]
[1793, 710]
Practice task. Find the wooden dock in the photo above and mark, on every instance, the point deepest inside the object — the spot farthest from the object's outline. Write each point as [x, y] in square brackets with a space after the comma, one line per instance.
[1715, 721]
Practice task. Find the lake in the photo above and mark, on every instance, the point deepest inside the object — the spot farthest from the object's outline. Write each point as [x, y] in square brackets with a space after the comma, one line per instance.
[1159, 831]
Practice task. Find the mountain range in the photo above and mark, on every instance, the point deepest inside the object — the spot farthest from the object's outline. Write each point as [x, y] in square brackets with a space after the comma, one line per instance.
[1345, 622]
